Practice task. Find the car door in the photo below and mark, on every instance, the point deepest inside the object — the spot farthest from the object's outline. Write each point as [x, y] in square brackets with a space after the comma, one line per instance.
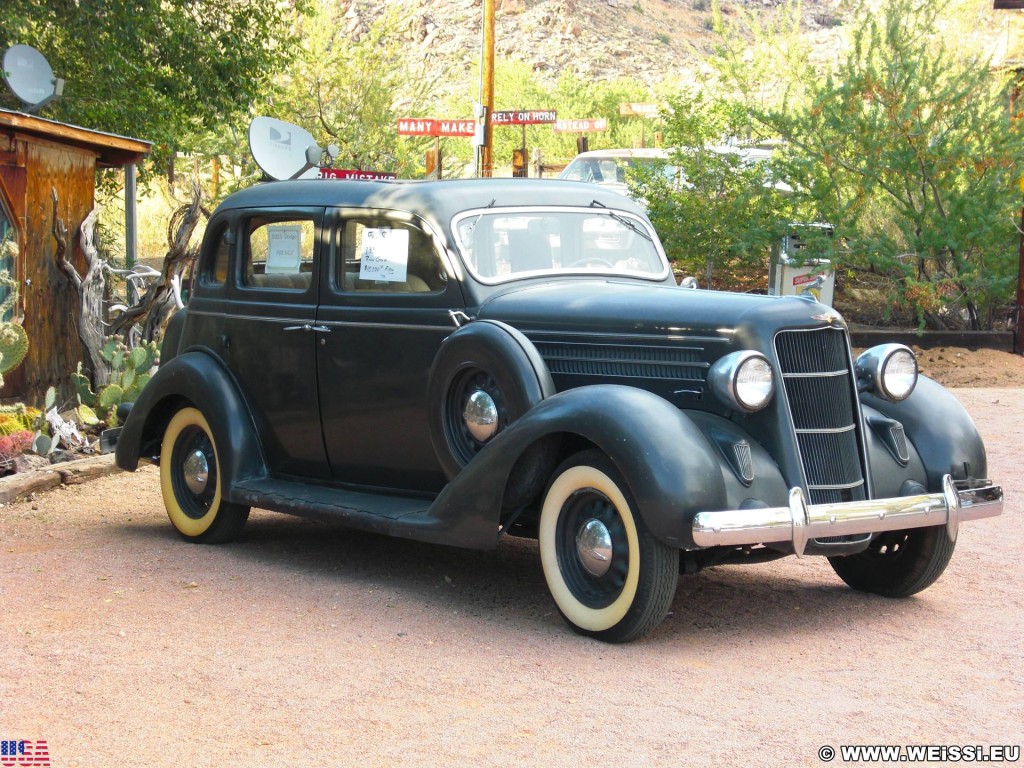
[270, 332]
[388, 288]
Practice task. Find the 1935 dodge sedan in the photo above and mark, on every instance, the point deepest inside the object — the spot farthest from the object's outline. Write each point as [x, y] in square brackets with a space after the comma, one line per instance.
[458, 361]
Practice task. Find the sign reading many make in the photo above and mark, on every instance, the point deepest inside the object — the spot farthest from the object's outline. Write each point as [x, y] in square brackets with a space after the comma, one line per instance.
[410, 126]
[524, 117]
[581, 126]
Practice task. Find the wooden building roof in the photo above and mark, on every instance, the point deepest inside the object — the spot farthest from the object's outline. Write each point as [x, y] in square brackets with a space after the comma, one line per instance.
[112, 151]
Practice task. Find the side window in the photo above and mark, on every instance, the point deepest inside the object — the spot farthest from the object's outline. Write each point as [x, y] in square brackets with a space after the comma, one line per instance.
[8, 252]
[215, 267]
[279, 253]
[389, 257]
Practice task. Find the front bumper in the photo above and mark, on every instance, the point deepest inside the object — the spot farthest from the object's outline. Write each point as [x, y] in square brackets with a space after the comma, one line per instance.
[799, 523]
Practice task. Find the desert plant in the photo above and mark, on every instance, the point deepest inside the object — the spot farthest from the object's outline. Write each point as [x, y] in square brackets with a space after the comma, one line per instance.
[13, 339]
[130, 371]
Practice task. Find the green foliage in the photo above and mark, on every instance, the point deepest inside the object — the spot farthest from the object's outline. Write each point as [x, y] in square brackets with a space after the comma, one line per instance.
[724, 211]
[907, 148]
[130, 372]
[161, 70]
[518, 87]
[351, 93]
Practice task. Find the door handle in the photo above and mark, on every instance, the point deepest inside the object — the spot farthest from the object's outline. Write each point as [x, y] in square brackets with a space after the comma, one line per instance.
[307, 327]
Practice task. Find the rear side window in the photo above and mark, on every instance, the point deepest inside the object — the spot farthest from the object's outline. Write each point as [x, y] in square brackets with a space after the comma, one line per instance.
[215, 270]
[279, 253]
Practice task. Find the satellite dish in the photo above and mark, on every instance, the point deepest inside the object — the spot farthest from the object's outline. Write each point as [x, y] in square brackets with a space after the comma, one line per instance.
[29, 76]
[283, 150]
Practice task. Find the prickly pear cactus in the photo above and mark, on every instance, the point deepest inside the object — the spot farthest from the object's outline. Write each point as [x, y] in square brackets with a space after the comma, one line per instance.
[13, 339]
[130, 372]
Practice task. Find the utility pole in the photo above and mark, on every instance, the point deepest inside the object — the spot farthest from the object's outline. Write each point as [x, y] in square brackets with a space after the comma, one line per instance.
[487, 87]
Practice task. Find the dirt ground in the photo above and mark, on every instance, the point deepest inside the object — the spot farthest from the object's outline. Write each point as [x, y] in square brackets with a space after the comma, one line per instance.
[960, 367]
[305, 644]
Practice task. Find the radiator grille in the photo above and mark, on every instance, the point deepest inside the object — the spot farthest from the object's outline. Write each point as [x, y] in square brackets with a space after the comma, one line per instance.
[819, 388]
[623, 360]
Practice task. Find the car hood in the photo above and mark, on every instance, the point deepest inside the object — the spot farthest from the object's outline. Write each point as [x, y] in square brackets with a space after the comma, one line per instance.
[630, 308]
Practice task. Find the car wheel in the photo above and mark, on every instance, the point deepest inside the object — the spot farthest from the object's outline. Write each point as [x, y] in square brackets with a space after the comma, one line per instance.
[191, 483]
[485, 376]
[897, 563]
[609, 576]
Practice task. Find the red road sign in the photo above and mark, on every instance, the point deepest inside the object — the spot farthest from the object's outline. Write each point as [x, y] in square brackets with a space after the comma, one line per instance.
[346, 173]
[411, 126]
[589, 125]
[524, 117]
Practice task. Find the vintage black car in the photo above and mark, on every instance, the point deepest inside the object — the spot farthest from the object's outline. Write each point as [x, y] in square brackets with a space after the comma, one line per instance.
[456, 361]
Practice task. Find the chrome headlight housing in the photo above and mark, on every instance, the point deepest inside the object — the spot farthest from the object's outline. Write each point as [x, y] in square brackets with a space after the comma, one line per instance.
[743, 379]
[889, 370]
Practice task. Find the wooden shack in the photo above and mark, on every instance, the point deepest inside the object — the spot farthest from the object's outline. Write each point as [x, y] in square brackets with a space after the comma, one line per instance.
[37, 156]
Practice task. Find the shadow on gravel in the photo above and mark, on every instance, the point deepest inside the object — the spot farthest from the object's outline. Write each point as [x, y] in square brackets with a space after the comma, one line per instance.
[786, 598]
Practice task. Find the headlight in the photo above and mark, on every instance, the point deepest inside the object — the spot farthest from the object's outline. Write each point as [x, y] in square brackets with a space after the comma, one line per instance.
[888, 369]
[743, 379]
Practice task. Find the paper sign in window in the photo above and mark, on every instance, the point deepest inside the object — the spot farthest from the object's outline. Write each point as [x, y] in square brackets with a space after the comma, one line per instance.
[284, 249]
[384, 255]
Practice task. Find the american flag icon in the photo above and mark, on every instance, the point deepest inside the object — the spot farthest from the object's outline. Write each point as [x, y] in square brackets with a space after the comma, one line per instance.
[21, 753]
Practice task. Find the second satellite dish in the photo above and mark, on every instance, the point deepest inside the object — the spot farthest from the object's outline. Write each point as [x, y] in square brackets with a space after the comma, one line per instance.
[283, 150]
[29, 76]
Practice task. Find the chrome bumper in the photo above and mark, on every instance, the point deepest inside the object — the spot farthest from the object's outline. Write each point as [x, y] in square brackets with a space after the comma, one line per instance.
[798, 523]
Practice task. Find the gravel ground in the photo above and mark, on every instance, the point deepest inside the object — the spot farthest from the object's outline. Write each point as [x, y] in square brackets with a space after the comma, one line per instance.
[306, 644]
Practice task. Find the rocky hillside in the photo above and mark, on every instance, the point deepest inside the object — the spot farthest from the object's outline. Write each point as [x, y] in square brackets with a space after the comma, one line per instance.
[648, 39]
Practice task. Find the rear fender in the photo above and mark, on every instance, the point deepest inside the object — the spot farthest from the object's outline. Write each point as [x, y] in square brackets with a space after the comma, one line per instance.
[193, 378]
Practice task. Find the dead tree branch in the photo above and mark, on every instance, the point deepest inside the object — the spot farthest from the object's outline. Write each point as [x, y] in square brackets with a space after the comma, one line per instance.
[163, 296]
[89, 288]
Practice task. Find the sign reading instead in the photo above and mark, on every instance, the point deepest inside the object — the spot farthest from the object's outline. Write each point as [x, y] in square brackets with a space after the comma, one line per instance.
[524, 117]
[352, 174]
[589, 125]
[410, 126]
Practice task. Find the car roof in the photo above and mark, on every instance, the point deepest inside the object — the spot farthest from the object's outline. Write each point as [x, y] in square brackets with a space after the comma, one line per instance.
[435, 201]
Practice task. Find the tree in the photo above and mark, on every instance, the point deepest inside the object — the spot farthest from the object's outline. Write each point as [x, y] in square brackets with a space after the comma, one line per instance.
[162, 70]
[350, 87]
[907, 147]
[725, 208]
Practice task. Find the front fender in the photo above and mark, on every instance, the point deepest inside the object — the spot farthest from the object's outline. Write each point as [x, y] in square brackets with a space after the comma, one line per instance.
[941, 430]
[193, 378]
[670, 467]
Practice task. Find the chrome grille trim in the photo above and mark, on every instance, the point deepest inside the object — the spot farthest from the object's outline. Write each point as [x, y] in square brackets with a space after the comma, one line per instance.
[818, 384]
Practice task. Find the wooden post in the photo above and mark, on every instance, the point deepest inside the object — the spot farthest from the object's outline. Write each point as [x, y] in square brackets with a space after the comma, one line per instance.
[487, 86]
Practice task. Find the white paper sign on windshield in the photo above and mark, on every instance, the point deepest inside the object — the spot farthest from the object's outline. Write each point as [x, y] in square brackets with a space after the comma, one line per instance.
[384, 255]
[284, 249]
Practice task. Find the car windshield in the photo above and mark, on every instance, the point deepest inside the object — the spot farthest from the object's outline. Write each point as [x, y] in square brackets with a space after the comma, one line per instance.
[499, 244]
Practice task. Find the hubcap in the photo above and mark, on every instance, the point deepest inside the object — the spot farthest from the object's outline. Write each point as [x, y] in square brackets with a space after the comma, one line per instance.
[481, 416]
[196, 470]
[594, 546]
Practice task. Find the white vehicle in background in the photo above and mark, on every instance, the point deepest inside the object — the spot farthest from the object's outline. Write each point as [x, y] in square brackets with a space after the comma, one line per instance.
[610, 168]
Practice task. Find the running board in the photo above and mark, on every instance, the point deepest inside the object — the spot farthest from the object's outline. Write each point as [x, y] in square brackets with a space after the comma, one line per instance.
[406, 517]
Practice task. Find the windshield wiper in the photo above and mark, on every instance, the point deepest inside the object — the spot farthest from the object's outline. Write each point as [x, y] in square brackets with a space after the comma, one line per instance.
[623, 220]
